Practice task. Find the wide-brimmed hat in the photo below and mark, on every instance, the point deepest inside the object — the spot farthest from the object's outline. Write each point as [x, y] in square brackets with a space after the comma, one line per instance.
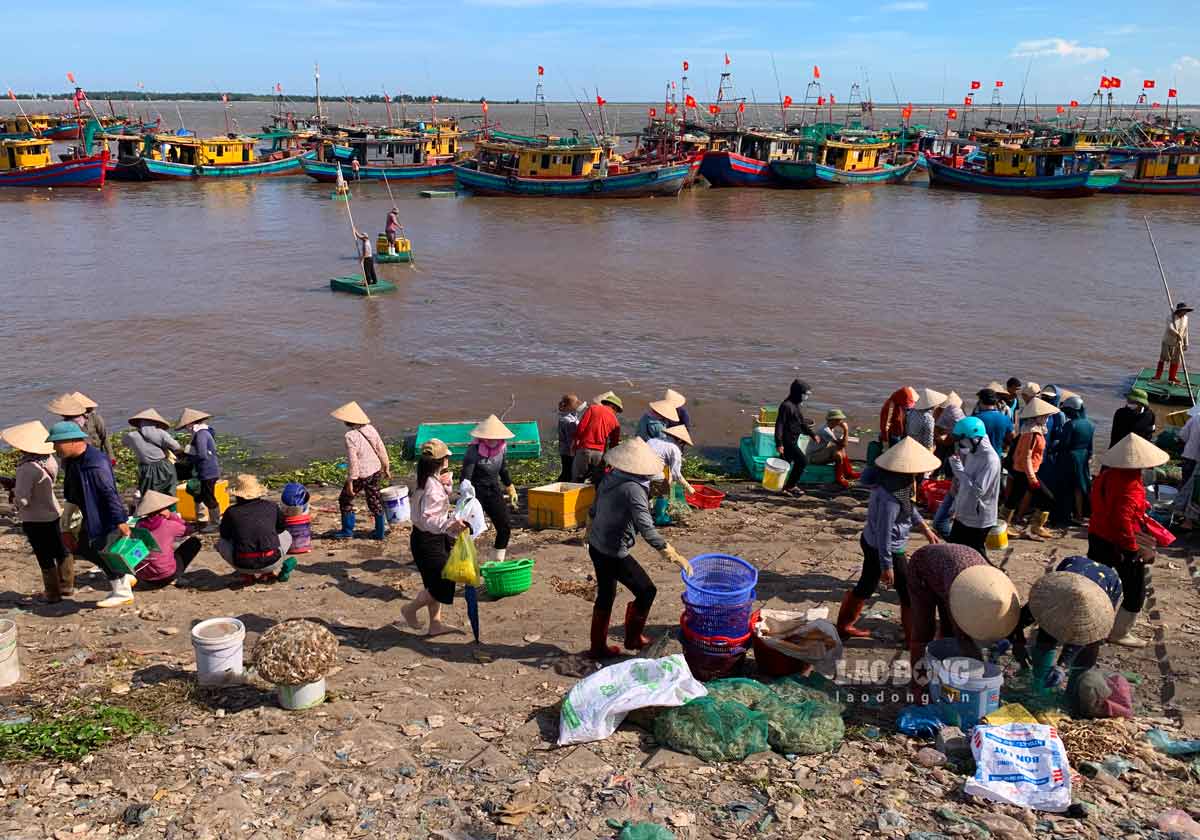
[190, 416]
[952, 399]
[434, 448]
[928, 398]
[1134, 452]
[635, 457]
[1030, 390]
[610, 398]
[674, 398]
[493, 429]
[351, 412]
[65, 430]
[246, 486]
[984, 603]
[665, 409]
[1037, 407]
[87, 401]
[680, 432]
[1138, 395]
[28, 437]
[996, 387]
[1182, 307]
[154, 501]
[151, 416]
[835, 414]
[908, 457]
[66, 405]
[1072, 608]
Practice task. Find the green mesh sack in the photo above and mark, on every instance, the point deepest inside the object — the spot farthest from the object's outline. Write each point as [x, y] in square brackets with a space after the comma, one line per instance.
[747, 692]
[809, 727]
[712, 730]
[677, 507]
[814, 688]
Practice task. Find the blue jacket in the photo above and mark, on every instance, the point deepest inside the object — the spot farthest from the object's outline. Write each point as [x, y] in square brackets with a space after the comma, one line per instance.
[89, 483]
[204, 455]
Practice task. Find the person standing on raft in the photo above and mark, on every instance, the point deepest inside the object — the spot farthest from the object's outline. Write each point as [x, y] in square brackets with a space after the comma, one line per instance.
[1174, 343]
[367, 463]
[790, 423]
[621, 512]
[485, 474]
[366, 256]
[391, 228]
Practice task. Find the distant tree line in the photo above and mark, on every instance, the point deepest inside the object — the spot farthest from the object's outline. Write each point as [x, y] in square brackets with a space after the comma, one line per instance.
[247, 97]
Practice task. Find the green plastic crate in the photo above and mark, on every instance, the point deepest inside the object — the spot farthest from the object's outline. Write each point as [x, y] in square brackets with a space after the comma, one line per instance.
[527, 445]
[754, 464]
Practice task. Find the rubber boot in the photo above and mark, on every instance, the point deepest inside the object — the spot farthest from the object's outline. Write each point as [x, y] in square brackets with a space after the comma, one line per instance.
[498, 554]
[1122, 630]
[66, 576]
[1042, 660]
[851, 609]
[1174, 374]
[380, 527]
[851, 473]
[122, 594]
[635, 623]
[1158, 371]
[285, 569]
[1037, 527]
[347, 527]
[839, 473]
[600, 648]
[51, 584]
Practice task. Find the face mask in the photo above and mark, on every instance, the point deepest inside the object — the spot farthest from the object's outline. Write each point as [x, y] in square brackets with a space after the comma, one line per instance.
[1133, 406]
[964, 447]
[804, 397]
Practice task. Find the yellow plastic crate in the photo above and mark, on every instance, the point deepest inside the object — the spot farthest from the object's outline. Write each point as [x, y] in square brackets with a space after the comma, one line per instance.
[560, 505]
[186, 504]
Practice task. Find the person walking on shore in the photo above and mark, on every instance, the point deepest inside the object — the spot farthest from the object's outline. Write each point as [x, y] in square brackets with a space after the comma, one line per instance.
[367, 465]
[977, 475]
[155, 449]
[434, 528]
[201, 457]
[790, 423]
[1073, 483]
[32, 493]
[893, 415]
[1135, 417]
[599, 431]
[570, 411]
[1026, 489]
[1174, 343]
[485, 474]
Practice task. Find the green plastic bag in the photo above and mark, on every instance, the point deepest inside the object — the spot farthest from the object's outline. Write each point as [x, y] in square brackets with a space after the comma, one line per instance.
[713, 730]
[462, 566]
[645, 831]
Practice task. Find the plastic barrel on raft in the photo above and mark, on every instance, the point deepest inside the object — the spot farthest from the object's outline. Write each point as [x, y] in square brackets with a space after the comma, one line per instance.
[300, 527]
[10, 663]
[775, 473]
[218, 646]
[396, 504]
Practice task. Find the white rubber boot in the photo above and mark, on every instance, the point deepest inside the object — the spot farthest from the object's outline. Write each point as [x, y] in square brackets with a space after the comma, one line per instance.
[122, 594]
[498, 554]
[1122, 631]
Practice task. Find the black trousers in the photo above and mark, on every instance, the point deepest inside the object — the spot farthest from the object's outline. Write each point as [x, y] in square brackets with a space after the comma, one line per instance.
[208, 492]
[495, 505]
[975, 538]
[1018, 486]
[46, 541]
[369, 271]
[868, 581]
[798, 460]
[568, 464]
[624, 570]
[1128, 567]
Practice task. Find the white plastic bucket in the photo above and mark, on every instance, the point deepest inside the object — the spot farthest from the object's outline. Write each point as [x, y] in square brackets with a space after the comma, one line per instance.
[395, 503]
[10, 663]
[297, 697]
[965, 688]
[775, 473]
[218, 646]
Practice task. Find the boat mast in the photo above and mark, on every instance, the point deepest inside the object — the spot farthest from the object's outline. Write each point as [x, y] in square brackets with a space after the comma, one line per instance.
[541, 116]
[317, 84]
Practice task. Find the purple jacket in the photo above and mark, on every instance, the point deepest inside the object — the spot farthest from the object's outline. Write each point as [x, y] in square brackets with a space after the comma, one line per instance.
[204, 455]
[88, 482]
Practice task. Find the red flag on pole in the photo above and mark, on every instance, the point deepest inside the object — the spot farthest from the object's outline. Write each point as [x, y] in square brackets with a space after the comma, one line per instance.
[387, 98]
[1155, 104]
[1114, 81]
[726, 59]
[541, 70]
[1060, 109]
[671, 108]
[820, 100]
[714, 109]
[689, 101]
[1172, 93]
[12, 95]
[653, 112]
[999, 84]
[741, 107]
[71, 78]
[832, 100]
[967, 100]
[483, 105]
[685, 66]
[816, 72]
[1148, 84]
[907, 112]
[601, 101]
[1074, 103]
[952, 114]
[1105, 83]
[975, 85]
[278, 88]
[787, 102]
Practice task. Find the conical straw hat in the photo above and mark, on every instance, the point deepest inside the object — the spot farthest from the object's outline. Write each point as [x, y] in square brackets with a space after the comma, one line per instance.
[984, 603]
[151, 415]
[190, 416]
[1072, 608]
[66, 405]
[1134, 452]
[681, 432]
[674, 398]
[28, 437]
[87, 401]
[351, 412]
[929, 398]
[665, 409]
[635, 457]
[247, 487]
[953, 399]
[153, 502]
[995, 386]
[493, 429]
[1037, 407]
[908, 457]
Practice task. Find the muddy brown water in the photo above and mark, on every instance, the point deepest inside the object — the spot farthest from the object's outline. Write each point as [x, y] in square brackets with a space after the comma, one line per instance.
[215, 295]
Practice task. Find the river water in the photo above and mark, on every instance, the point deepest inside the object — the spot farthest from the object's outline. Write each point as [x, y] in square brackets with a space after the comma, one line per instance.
[215, 295]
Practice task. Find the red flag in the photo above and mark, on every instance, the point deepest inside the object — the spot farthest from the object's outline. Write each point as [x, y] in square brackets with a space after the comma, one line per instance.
[741, 107]
[387, 98]
[999, 84]
[689, 101]
[1155, 104]
[907, 112]
[71, 78]
[653, 112]
[1148, 84]
[952, 114]
[433, 100]
[1114, 81]
[541, 70]
[1172, 93]
[1074, 103]
[685, 67]
[1105, 82]
[1060, 109]
[975, 85]
[714, 109]
[278, 88]
[832, 100]
[601, 101]
[12, 95]
[820, 100]
[726, 59]
[225, 98]
[967, 100]
[787, 102]
[816, 72]
[483, 105]
[671, 108]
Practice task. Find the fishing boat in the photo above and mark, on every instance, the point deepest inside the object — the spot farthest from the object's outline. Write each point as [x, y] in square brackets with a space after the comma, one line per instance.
[427, 154]
[1040, 171]
[742, 157]
[23, 126]
[167, 157]
[564, 168]
[27, 163]
[846, 160]
[1172, 171]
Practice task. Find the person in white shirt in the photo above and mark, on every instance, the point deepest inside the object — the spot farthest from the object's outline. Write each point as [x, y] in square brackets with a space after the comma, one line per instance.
[1174, 343]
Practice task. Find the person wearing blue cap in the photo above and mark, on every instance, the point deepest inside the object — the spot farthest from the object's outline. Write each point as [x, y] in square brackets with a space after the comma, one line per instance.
[977, 475]
[90, 485]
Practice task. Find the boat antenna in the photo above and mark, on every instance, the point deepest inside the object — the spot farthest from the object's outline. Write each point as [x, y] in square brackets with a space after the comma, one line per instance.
[1021, 102]
[317, 86]
[779, 90]
[1170, 303]
[387, 104]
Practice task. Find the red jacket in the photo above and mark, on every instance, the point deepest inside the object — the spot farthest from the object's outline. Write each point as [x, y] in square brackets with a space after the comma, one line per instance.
[599, 429]
[1118, 505]
[892, 415]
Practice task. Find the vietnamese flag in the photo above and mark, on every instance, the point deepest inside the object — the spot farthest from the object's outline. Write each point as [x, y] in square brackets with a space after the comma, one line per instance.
[685, 67]
[832, 100]
[741, 107]
[1060, 109]
[787, 102]
[541, 70]
[967, 100]
[820, 100]
[1105, 82]
[1172, 93]
[601, 101]
[816, 72]
[71, 78]
[975, 85]
[999, 84]
[952, 114]
[907, 111]
[690, 101]
[1114, 81]
[726, 59]
[1074, 103]
[653, 112]
[483, 105]
[671, 109]
[714, 109]
[1148, 84]
[1155, 104]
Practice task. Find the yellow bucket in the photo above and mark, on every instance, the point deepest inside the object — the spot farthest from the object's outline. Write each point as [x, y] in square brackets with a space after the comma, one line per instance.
[775, 473]
[997, 538]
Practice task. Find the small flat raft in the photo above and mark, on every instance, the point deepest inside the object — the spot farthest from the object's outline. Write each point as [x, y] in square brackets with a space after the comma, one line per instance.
[403, 250]
[1162, 391]
[438, 193]
[399, 257]
[356, 286]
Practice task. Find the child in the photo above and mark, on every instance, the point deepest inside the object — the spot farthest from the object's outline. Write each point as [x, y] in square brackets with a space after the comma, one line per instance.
[169, 562]
[32, 491]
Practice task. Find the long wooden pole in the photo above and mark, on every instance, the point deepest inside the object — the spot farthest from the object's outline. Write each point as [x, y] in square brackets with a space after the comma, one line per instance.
[1170, 302]
[357, 247]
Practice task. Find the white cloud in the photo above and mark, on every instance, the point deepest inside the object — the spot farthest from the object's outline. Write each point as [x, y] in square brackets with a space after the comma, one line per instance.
[1059, 47]
[907, 6]
[1187, 63]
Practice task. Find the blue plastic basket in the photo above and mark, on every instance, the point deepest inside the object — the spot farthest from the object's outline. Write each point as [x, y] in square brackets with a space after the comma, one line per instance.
[730, 620]
[719, 579]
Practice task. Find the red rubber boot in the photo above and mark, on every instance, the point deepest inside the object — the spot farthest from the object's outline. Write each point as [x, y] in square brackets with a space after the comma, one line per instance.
[600, 648]
[851, 473]
[839, 472]
[1158, 371]
[1174, 374]
[851, 609]
[635, 623]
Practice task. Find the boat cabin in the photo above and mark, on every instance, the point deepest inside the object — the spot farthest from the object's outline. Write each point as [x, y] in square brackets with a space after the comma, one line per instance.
[34, 123]
[1021, 162]
[204, 151]
[1175, 163]
[543, 161]
[24, 154]
[761, 145]
[850, 157]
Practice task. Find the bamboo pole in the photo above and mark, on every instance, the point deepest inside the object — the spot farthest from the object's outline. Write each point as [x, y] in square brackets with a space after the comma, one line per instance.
[1171, 303]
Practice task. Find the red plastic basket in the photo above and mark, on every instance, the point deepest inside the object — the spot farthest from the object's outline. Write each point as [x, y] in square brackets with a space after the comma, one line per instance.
[934, 492]
[775, 663]
[705, 497]
[716, 644]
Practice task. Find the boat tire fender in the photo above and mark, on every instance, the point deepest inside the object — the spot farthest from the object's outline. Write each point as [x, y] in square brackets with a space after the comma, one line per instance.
[596, 185]
[653, 174]
[197, 171]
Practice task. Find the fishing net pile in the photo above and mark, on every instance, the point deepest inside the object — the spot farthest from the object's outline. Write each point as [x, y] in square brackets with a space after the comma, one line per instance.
[295, 652]
[741, 717]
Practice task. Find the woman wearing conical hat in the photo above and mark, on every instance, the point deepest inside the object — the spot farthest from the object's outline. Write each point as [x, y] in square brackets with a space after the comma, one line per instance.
[201, 456]
[1117, 536]
[83, 410]
[168, 562]
[367, 466]
[32, 491]
[485, 473]
[155, 448]
[1025, 488]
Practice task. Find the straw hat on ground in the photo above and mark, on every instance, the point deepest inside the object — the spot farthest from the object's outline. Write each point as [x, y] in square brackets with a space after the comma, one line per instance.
[153, 502]
[434, 448]
[665, 409]
[984, 603]
[952, 399]
[674, 398]
[66, 405]
[680, 432]
[28, 437]
[151, 416]
[351, 412]
[928, 398]
[1037, 407]
[1134, 452]
[247, 487]
[493, 429]
[1072, 608]
[190, 416]
[610, 398]
[87, 401]
[908, 457]
[636, 458]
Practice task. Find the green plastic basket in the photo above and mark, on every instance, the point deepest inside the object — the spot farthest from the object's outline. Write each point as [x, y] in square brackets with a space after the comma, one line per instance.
[507, 577]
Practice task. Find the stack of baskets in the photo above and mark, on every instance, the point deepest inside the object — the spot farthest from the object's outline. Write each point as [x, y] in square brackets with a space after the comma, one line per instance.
[296, 517]
[718, 614]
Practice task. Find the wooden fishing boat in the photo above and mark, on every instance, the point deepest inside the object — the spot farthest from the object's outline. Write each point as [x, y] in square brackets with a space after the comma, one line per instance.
[844, 160]
[27, 163]
[1173, 171]
[24, 127]
[742, 157]
[167, 157]
[564, 168]
[426, 154]
[1040, 171]
[357, 286]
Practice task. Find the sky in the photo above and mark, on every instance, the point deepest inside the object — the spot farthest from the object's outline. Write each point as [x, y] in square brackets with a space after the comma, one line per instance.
[930, 49]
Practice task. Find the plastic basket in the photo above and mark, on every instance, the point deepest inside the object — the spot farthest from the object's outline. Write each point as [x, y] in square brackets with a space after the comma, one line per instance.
[716, 644]
[707, 664]
[705, 498]
[718, 619]
[719, 579]
[933, 492]
[507, 577]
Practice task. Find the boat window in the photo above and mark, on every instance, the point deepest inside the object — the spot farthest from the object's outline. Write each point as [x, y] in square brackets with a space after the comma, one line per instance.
[545, 161]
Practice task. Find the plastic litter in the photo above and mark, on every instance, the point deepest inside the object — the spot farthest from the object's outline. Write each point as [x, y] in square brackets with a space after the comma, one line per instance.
[1020, 764]
[919, 721]
[889, 819]
[1164, 743]
[644, 831]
